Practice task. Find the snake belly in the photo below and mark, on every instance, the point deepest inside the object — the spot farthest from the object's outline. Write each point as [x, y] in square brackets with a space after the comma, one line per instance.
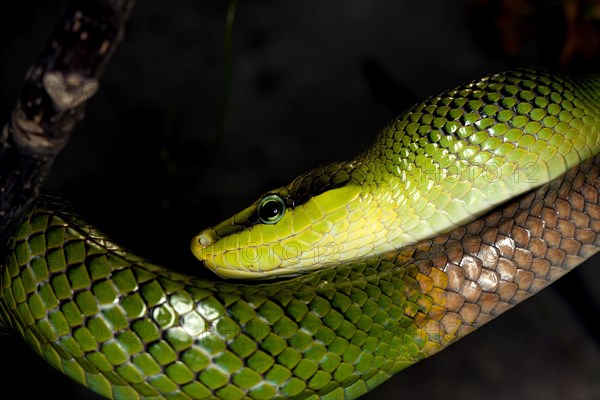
[127, 328]
[439, 165]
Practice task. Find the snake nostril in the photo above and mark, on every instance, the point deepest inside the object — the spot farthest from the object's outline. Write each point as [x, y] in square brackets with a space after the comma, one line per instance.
[207, 237]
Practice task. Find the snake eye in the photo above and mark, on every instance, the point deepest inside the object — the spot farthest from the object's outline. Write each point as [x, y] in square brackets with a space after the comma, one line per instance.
[270, 209]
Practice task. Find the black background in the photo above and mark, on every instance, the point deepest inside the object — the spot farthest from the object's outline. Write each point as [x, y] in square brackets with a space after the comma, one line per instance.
[313, 81]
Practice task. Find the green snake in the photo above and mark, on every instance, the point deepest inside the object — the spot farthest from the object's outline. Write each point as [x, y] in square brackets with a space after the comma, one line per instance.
[391, 270]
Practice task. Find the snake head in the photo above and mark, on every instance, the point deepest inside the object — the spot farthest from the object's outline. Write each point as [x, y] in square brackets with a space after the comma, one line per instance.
[288, 231]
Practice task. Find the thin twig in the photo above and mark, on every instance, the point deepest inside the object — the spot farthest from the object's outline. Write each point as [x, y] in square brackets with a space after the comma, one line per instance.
[52, 100]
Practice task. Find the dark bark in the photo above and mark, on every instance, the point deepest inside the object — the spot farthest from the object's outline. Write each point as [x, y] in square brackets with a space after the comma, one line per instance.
[52, 100]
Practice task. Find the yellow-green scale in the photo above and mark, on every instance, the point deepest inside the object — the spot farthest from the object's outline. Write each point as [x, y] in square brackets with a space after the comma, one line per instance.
[459, 154]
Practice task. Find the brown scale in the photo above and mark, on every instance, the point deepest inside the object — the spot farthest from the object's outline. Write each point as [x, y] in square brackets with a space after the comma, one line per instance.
[476, 272]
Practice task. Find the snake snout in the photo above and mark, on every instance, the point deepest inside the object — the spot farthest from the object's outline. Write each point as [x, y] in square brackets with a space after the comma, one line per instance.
[202, 241]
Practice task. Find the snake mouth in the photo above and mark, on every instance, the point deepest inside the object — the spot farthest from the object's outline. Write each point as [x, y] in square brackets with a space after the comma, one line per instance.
[250, 273]
[205, 247]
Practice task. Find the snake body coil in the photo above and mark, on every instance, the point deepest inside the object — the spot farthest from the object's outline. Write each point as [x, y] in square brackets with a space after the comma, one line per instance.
[127, 328]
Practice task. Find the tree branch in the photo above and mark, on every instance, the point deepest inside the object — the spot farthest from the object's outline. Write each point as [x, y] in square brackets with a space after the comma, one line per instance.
[52, 100]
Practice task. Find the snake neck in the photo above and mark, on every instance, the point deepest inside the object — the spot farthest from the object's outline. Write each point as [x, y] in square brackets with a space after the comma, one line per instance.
[455, 156]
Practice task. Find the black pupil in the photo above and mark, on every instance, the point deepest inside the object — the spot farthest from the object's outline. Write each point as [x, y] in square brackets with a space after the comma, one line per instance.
[270, 210]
